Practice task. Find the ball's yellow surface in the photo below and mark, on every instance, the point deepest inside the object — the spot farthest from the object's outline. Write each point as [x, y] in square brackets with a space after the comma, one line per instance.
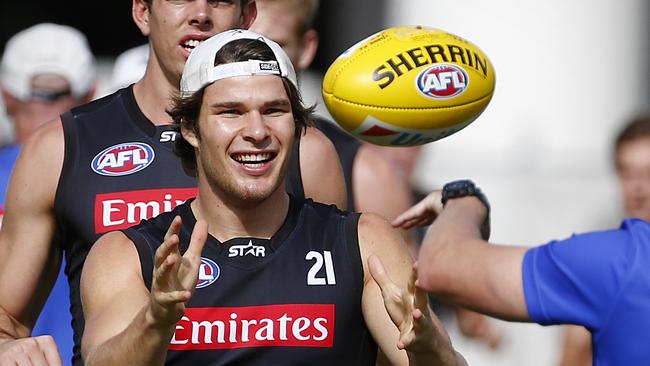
[408, 86]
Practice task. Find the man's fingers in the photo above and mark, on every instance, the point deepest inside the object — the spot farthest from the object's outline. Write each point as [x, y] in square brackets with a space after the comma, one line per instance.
[169, 298]
[409, 216]
[174, 227]
[165, 249]
[50, 350]
[198, 239]
[378, 272]
[164, 270]
[34, 351]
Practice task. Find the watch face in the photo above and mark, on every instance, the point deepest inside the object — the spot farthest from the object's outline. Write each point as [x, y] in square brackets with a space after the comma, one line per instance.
[462, 188]
[458, 188]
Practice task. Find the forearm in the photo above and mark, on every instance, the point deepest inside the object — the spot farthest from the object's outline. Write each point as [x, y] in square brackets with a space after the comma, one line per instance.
[141, 343]
[450, 243]
[457, 265]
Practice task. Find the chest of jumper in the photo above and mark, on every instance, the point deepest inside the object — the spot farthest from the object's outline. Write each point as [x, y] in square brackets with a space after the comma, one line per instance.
[259, 293]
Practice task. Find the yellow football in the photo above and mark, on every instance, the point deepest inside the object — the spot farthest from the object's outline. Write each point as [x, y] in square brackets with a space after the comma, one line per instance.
[408, 86]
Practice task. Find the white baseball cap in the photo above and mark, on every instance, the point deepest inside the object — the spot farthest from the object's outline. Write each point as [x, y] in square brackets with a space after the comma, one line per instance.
[47, 48]
[200, 70]
[130, 66]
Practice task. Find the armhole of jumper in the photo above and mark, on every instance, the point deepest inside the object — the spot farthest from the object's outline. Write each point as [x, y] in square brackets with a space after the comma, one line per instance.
[352, 240]
[70, 162]
[145, 252]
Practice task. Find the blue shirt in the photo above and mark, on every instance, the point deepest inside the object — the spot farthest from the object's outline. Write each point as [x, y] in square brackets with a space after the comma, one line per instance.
[55, 318]
[600, 280]
[8, 156]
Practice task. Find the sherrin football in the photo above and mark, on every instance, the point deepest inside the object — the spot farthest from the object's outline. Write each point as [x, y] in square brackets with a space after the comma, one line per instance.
[408, 86]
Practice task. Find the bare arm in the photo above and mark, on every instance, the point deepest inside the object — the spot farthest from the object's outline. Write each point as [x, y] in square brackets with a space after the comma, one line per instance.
[576, 346]
[125, 323]
[396, 313]
[380, 189]
[28, 236]
[322, 175]
[456, 264]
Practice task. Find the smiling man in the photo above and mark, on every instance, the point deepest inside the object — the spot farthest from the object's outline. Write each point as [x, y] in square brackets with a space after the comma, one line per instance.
[108, 164]
[315, 293]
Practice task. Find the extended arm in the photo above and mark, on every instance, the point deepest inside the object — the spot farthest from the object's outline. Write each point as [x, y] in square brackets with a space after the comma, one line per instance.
[456, 264]
[125, 323]
[28, 237]
[321, 171]
[396, 313]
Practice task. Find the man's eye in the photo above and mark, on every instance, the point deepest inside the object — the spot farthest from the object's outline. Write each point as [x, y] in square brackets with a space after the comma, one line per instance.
[275, 111]
[228, 112]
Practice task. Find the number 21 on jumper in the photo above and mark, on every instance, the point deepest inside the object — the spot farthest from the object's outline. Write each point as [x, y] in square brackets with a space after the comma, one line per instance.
[314, 278]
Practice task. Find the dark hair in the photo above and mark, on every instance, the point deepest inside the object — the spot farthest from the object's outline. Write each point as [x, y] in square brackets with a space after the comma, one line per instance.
[185, 111]
[637, 128]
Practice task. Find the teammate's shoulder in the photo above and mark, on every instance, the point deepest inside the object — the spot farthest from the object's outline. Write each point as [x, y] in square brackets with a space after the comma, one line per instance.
[333, 132]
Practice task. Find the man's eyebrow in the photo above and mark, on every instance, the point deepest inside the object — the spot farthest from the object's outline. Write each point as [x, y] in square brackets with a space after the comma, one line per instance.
[277, 102]
[274, 102]
[225, 105]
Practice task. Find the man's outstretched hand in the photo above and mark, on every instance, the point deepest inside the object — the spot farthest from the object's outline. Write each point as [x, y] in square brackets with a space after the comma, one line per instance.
[175, 275]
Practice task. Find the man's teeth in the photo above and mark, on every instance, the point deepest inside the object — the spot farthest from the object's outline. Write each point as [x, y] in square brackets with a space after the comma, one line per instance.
[191, 43]
[253, 158]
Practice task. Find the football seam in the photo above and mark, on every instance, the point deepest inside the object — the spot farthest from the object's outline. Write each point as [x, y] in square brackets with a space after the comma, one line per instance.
[354, 57]
[408, 108]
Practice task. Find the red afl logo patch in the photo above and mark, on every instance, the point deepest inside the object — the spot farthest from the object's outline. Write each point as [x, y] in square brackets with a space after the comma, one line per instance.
[442, 81]
[123, 159]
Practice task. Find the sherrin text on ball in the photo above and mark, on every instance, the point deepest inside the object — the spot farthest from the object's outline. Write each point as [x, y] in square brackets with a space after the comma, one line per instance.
[408, 86]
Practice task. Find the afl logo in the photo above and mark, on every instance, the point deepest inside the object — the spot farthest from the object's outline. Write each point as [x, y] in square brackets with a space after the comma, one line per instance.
[442, 81]
[208, 273]
[123, 159]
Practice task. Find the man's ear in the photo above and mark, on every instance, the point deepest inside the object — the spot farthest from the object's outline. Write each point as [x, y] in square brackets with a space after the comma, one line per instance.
[249, 13]
[140, 12]
[11, 102]
[190, 135]
[309, 47]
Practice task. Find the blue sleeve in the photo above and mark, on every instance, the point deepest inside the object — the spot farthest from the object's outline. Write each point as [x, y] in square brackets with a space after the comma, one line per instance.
[577, 280]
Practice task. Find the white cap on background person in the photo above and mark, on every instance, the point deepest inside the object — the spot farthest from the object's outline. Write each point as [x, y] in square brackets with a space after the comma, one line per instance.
[129, 66]
[47, 48]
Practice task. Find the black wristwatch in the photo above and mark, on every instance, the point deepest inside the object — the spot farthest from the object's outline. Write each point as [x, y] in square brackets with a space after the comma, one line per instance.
[463, 188]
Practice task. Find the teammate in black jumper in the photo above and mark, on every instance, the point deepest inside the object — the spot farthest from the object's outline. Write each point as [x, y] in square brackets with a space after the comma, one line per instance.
[107, 165]
[280, 280]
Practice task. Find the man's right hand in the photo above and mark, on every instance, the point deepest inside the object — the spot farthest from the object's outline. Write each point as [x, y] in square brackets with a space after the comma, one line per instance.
[30, 351]
[175, 275]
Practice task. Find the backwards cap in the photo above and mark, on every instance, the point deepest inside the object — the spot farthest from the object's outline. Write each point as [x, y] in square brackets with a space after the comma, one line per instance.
[47, 48]
[200, 70]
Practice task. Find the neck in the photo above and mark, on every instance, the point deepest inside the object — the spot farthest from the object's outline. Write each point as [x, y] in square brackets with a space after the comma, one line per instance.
[227, 219]
[154, 91]
[24, 128]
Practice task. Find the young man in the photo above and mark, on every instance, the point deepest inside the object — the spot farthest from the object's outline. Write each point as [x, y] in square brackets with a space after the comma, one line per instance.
[109, 164]
[281, 280]
[46, 70]
[632, 163]
[598, 280]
